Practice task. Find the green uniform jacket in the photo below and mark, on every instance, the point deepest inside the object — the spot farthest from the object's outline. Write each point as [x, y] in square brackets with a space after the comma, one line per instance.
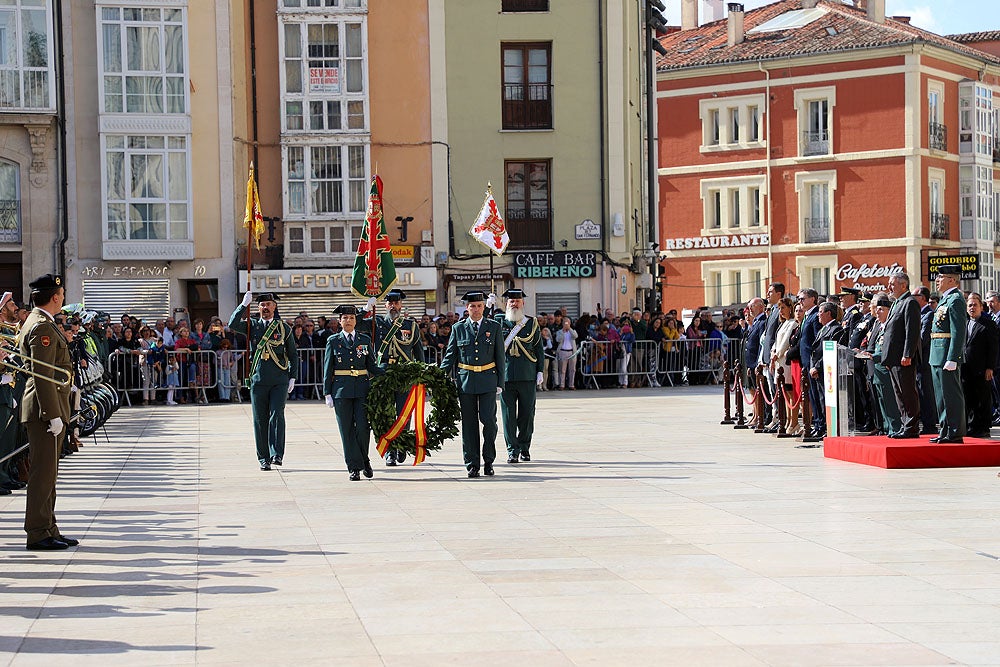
[343, 357]
[949, 318]
[282, 362]
[525, 356]
[42, 340]
[403, 346]
[466, 348]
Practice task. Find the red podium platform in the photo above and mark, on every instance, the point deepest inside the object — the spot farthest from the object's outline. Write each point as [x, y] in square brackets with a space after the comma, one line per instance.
[884, 452]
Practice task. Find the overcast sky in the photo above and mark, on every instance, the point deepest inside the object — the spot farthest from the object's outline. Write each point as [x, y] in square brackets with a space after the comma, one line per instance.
[944, 17]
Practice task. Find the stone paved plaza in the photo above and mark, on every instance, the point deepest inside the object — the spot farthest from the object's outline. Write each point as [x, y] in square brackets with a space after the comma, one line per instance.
[643, 533]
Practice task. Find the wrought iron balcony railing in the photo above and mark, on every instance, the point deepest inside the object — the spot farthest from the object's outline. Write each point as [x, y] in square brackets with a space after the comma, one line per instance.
[529, 228]
[818, 230]
[816, 143]
[940, 226]
[10, 221]
[938, 136]
[527, 106]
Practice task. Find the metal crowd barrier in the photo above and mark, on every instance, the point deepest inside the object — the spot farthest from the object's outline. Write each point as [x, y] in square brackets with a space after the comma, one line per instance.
[140, 376]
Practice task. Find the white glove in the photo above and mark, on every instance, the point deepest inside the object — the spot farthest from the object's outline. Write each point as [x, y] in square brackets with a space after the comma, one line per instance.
[329, 401]
[247, 298]
[491, 300]
[55, 426]
[291, 385]
[538, 379]
[369, 305]
[950, 366]
[499, 390]
[6, 379]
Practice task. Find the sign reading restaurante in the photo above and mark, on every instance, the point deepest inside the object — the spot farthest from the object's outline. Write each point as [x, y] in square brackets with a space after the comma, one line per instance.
[728, 241]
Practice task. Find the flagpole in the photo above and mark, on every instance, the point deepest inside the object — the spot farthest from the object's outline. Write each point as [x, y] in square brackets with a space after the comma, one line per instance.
[250, 231]
[489, 191]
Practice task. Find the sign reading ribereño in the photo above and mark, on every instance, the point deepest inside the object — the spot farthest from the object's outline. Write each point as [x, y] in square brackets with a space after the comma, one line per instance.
[579, 264]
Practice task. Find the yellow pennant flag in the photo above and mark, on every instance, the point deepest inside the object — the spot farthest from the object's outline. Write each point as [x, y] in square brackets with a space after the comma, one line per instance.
[253, 219]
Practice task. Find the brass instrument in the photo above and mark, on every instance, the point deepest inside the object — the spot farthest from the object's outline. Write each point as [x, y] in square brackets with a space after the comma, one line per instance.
[26, 359]
[10, 326]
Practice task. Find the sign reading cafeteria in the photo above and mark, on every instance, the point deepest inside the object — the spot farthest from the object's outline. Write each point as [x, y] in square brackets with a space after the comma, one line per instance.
[582, 264]
[718, 241]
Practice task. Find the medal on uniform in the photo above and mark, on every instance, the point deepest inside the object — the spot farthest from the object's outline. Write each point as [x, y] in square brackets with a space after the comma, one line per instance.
[362, 350]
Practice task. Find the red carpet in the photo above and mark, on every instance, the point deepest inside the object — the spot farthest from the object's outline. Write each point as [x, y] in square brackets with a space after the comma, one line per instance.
[884, 452]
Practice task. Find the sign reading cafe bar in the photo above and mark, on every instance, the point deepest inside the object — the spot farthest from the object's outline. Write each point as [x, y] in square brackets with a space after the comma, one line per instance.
[580, 264]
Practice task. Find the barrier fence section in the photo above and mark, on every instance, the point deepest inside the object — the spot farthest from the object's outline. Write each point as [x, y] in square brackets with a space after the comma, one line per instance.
[198, 376]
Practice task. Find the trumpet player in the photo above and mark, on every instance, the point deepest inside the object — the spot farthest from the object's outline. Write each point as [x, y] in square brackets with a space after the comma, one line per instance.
[10, 424]
[45, 410]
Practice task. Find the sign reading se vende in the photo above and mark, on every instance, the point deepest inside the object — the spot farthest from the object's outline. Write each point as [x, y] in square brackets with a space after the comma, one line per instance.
[970, 265]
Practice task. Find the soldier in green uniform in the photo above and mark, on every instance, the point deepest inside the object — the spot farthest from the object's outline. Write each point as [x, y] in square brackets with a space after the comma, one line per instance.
[525, 360]
[347, 370]
[44, 411]
[273, 367]
[948, 331]
[397, 340]
[475, 351]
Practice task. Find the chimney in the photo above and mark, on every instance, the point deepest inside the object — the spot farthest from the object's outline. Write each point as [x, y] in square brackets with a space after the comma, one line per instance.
[902, 19]
[737, 32]
[713, 10]
[809, 4]
[876, 10]
[689, 14]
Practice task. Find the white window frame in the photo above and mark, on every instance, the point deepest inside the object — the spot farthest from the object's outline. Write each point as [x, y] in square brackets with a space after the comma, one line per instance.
[352, 235]
[140, 4]
[19, 70]
[804, 265]
[166, 200]
[308, 215]
[935, 177]
[328, 6]
[721, 276]
[803, 97]
[739, 186]
[724, 109]
[303, 19]
[803, 181]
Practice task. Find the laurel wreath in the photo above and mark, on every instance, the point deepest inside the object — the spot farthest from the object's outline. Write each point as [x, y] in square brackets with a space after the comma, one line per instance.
[442, 422]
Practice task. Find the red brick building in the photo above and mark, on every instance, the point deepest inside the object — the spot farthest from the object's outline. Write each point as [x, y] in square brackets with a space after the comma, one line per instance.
[822, 144]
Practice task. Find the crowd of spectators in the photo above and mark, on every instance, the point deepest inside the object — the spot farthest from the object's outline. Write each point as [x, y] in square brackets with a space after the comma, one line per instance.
[175, 360]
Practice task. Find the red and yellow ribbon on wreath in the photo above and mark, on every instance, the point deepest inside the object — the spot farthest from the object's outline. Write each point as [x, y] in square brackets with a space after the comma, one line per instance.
[416, 403]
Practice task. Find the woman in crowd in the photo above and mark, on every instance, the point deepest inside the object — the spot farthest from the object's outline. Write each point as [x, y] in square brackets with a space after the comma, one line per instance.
[627, 343]
[147, 344]
[228, 362]
[185, 347]
[202, 361]
[794, 362]
[782, 340]
[549, 350]
[302, 341]
[130, 360]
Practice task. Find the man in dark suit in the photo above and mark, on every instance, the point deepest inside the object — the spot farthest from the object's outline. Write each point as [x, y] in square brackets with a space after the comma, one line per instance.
[901, 354]
[775, 293]
[928, 411]
[865, 411]
[348, 366]
[807, 337]
[993, 304]
[475, 350]
[887, 415]
[977, 372]
[830, 329]
[754, 346]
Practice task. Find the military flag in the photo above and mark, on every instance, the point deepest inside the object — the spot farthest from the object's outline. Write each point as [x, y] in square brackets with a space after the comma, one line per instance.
[489, 228]
[253, 219]
[374, 269]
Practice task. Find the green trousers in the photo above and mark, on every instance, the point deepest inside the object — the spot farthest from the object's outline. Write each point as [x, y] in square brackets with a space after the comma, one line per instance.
[40, 505]
[950, 401]
[891, 420]
[478, 409]
[268, 402]
[352, 420]
[517, 406]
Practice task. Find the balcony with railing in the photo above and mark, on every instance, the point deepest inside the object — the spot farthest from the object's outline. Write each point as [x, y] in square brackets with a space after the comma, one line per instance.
[527, 106]
[940, 226]
[10, 221]
[817, 230]
[529, 229]
[937, 136]
[816, 143]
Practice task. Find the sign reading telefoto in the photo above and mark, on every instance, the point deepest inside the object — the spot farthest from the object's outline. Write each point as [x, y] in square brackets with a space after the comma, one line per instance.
[580, 264]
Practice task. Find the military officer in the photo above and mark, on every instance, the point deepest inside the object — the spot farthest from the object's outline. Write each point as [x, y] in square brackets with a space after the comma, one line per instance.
[45, 411]
[948, 333]
[348, 367]
[475, 350]
[10, 423]
[866, 414]
[397, 340]
[525, 360]
[273, 367]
